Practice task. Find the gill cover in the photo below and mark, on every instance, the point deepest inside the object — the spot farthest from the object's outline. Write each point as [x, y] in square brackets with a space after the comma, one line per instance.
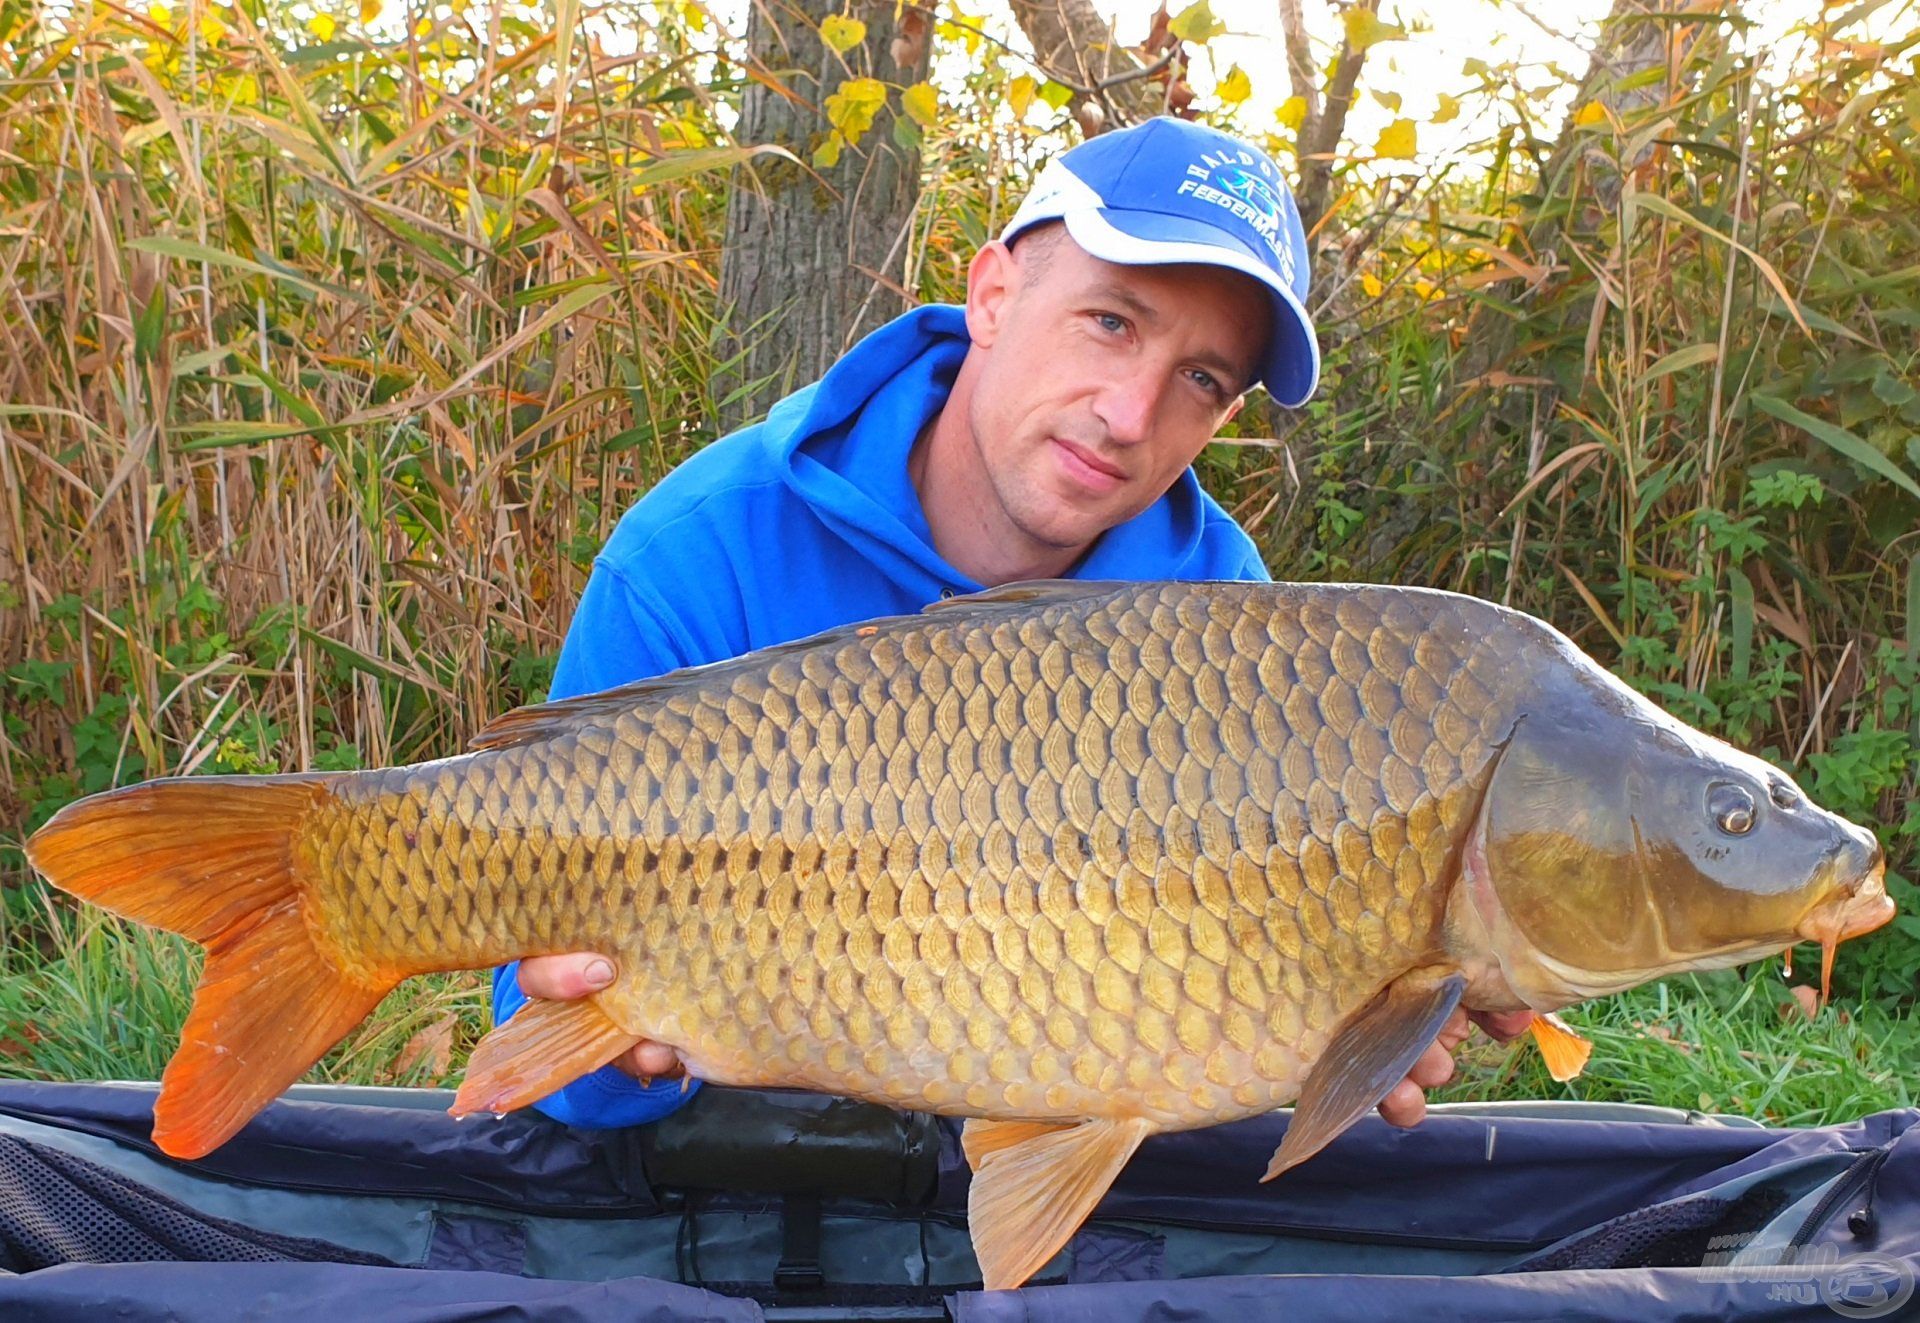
[1619, 845]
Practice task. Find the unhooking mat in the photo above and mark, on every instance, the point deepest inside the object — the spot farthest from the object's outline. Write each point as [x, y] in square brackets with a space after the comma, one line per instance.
[352, 1205]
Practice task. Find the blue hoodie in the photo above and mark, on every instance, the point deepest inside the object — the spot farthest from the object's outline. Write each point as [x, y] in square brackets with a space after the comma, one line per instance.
[802, 523]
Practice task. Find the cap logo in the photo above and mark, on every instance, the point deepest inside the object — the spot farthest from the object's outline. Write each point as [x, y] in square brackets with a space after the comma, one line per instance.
[1244, 185]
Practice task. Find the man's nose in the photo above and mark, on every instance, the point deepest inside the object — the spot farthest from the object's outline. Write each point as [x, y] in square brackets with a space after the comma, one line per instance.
[1127, 406]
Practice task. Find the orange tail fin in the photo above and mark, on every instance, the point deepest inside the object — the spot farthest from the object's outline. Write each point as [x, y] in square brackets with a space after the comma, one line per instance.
[212, 858]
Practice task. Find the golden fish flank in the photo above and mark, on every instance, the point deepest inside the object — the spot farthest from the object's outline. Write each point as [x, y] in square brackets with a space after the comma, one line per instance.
[859, 862]
[1086, 861]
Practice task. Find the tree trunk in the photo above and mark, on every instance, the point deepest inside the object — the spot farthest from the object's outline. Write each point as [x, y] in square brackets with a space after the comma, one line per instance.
[814, 257]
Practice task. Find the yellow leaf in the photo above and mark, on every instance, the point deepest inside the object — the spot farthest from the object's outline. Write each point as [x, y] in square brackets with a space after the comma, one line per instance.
[321, 26]
[1235, 87]
[1590, 114]
[921, 103]
[1370, 284]
[1449, 109]
[842, 33]
[963, 28]
[161, 15]
[852, 108]
[211, 29]
[1365, 29]
[369, 10]
[827, 154]
[1055, 94]
[1196, 23]
[1400, 141]
[1020, 94]
[1391, 100]
[695, 15]
[1293, 112]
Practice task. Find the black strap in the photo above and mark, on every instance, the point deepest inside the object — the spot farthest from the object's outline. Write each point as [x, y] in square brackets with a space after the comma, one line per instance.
[799, 1268]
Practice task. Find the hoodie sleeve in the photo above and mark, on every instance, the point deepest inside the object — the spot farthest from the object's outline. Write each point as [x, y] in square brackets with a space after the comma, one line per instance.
[614, 639]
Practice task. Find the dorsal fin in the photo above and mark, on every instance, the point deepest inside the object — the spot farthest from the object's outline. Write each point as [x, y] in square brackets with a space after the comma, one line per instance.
[538, 721]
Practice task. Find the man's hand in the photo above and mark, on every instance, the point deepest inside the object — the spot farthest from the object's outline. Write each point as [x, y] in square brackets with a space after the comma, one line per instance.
[567, 977]
[1407, 1103]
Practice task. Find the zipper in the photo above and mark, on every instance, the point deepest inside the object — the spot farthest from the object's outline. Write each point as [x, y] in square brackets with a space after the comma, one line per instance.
[1849, 1183]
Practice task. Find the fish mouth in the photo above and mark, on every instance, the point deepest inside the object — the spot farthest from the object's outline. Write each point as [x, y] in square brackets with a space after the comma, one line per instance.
[1859, 910]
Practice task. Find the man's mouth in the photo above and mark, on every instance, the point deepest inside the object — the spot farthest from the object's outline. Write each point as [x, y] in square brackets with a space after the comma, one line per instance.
[1084, 467]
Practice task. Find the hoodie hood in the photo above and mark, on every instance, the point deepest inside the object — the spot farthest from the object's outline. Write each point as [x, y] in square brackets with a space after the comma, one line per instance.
[842, 445]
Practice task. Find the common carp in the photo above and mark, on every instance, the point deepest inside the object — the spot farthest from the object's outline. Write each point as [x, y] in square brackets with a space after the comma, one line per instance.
[1083, 862]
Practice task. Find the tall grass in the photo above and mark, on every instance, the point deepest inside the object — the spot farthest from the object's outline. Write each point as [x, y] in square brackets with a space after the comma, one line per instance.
[327, 362]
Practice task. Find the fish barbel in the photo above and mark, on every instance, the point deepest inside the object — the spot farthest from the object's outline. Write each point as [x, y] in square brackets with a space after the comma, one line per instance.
[1081, 861]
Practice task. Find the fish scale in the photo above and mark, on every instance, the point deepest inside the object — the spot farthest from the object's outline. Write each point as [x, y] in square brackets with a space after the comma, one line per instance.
[1145, 841]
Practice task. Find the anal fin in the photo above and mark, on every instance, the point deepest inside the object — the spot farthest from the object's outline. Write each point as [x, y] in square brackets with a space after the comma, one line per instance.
[980, 1138]
[1371, 1051]
[1564, 1051]
[544, 1047]
[1030, 1195]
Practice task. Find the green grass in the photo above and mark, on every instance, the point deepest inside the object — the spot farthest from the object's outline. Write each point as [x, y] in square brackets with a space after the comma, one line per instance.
[85, 995]
[1718, 1044]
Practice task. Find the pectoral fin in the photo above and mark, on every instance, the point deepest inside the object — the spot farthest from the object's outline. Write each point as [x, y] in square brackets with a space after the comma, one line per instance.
[1564, 1051]
[1030, 1195]
[548, 1045]
[1371, 1051]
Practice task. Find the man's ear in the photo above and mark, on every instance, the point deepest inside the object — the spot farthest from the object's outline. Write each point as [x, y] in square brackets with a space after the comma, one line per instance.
[993, 278]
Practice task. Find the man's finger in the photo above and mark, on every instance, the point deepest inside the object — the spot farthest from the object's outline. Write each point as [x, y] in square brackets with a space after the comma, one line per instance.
[1404, 1105]
[1434, 1068]
[649, 1060]
[1503, 1025]
[565, 977]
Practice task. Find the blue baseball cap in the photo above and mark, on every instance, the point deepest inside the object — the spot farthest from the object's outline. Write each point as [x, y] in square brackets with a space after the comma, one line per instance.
[1170, 191]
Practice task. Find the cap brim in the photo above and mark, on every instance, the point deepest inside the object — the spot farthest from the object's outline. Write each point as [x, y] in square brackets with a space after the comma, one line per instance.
[1151, 238]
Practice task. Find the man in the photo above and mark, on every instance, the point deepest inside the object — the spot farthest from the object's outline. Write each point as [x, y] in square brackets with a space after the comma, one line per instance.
[1045, 430]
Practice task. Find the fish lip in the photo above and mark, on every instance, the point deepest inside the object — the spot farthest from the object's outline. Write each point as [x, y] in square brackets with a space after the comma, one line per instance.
[1850, 914]
[1858, 910]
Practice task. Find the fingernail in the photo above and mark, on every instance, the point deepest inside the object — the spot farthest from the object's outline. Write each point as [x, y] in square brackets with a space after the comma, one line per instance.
[599, 973]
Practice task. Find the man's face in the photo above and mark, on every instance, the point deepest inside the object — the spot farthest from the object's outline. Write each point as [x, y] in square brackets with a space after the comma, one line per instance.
[1100, 382]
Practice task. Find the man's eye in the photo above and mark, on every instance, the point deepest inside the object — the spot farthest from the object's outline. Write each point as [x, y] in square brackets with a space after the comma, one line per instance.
[1206, 383]
[1110, 322]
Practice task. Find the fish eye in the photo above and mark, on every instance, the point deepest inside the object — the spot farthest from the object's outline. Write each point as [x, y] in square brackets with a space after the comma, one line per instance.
[1732, 808]
[1780, 794]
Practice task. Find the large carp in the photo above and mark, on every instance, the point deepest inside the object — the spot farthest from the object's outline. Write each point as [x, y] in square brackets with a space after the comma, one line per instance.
[1083, 861]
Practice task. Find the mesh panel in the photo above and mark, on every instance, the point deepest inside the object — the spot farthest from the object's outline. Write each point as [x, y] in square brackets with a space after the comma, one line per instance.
[56, 1208]
[1675, 1235]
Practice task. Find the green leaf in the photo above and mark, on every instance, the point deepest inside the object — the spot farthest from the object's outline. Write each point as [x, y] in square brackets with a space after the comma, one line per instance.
[1741, 591]
[679, 165]
[1841, 440]
[842, 33]
[150, 327]
[188, 251]
[1681, 359]
[1055, 94]
[1196, 23]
